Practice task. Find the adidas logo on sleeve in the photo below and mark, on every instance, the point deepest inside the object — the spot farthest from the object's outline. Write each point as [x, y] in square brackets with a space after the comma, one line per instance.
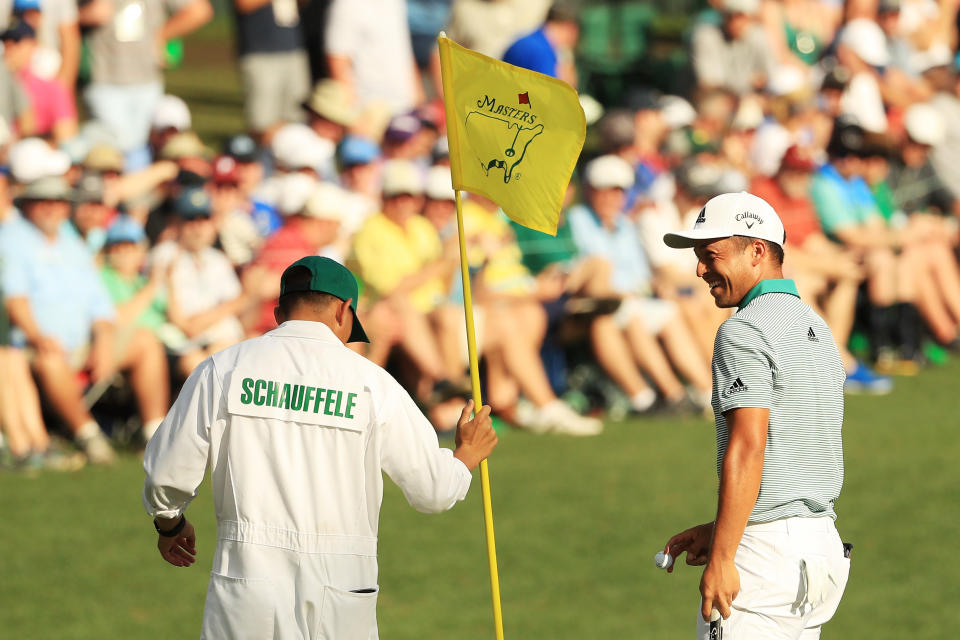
[736, 387]
[811, 336]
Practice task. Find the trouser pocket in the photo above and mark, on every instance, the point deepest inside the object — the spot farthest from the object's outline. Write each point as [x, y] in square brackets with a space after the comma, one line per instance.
[348, 615]
[238, 609]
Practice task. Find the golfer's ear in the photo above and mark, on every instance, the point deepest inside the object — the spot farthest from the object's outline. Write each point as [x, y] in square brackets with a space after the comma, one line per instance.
[342, 311]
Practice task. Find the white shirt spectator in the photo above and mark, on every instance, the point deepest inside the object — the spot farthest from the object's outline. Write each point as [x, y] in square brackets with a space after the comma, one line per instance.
[863, 101]
[379, 50]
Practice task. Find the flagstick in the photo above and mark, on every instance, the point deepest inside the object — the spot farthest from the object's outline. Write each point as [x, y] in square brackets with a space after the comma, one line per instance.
[475, 382]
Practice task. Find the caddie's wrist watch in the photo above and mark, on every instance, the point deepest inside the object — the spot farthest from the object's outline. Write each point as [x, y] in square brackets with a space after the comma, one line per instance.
[170, 533]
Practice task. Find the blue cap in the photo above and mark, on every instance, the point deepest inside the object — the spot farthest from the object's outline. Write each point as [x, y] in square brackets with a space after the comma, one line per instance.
[355, 150]
[192, 203]
[124, 229]
[26, 5]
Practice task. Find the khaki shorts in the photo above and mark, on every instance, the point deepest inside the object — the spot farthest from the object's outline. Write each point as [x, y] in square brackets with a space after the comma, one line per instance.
[275, 86]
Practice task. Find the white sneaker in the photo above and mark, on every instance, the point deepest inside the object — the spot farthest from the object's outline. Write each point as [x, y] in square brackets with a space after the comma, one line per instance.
[557, 417]
[98, 449]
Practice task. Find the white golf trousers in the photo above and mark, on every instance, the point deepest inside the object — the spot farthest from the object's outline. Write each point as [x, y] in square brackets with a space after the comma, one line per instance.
[258, 592]
[792, 576]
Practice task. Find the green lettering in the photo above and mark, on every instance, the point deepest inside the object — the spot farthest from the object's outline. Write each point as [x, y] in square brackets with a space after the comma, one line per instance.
[272, 389]
[487, 101]
[533, 118]
[318, 400]
[351, 403]
[284, 397]
[258, 392]
[336, 410]
[331, 396]
[308, 396]
[247, 395]
[524, 116]
[296, 398]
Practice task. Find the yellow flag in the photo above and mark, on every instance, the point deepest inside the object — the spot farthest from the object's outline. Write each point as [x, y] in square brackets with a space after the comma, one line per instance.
[515, 134]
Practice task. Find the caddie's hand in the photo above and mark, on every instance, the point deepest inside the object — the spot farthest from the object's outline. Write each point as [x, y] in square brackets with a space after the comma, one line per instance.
[476, 438]
[181, 550]
[719, 586]
[695, 541]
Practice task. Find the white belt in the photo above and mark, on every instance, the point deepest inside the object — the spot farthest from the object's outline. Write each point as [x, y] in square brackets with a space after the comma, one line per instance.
[296, 540]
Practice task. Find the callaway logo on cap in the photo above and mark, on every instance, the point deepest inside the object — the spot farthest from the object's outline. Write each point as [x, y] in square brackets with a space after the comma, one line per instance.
[731, 214]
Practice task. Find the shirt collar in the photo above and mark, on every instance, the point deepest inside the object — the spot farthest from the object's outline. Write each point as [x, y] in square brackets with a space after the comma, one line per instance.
[773, 285]
[306, 329]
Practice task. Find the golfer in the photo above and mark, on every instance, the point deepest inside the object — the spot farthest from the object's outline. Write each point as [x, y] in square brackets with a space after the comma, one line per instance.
[775, 565]
[296, 429]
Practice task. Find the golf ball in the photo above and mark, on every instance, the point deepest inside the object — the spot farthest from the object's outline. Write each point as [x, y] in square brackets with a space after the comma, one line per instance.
[663, 560]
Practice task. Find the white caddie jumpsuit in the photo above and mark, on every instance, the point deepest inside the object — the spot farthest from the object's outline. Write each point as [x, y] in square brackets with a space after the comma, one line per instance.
[296, 429]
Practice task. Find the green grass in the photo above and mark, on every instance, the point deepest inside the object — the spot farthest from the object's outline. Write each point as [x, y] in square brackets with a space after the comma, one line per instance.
[577, 524]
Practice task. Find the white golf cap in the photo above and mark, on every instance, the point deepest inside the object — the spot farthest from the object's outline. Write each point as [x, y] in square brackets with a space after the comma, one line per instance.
[295, 190]
[296, 146]
[609, 172]
[401, 177]
[171, 113]
[676, 111]
[867, 40]
[731, 214]
[439, 183]
[925, 125]
[33, 158]
[327, 201]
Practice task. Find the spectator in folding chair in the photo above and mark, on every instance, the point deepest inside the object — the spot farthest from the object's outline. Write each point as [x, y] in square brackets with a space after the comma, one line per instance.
[64, 315]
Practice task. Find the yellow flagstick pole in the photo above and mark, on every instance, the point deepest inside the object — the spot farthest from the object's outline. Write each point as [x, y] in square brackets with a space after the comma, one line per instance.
[475, 382]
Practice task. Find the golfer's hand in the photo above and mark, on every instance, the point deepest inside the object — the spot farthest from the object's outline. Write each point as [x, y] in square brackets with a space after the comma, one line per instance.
[180, 551]
[476, 438]
[695, 541]
[719, 586]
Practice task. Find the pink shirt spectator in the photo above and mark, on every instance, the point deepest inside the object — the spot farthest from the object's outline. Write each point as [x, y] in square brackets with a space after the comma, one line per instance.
[51, 101]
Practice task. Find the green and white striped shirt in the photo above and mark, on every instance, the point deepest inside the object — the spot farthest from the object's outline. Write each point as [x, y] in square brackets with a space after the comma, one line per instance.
[775, 353]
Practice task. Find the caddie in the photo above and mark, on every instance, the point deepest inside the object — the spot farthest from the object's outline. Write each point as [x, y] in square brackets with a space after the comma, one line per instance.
[775, 565]
[296, 429]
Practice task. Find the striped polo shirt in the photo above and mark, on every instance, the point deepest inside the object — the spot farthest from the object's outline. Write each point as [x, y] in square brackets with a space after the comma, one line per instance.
[775, 353]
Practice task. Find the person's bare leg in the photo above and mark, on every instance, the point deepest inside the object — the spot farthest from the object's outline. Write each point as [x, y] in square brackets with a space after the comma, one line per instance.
[502, 390]
[682, 352]
[840, 307]
[947, 275]
[648, 352]
[15, 432]
[916, 285]
[591, 277]
[418, 342]
[521, 358]
[882, 277]
[189, 361]
[383, 328]
[698, 319]
[146, 364]
[60, 386]
[28, 411]
[613, 354]
[449, 326]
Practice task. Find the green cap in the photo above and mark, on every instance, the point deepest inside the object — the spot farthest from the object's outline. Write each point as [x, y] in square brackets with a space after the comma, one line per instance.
[328, 276]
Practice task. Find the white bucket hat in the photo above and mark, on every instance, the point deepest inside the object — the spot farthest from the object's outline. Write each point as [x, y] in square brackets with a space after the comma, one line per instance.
[731, 214]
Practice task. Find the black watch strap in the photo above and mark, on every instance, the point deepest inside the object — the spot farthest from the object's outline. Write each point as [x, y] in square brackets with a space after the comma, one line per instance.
[171, 532]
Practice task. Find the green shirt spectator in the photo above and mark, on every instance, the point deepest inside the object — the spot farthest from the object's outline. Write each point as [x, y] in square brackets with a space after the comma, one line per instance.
[540, 250]
[122, 289]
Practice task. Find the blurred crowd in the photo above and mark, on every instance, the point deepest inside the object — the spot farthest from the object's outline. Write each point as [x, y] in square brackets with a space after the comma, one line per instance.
[131, 249]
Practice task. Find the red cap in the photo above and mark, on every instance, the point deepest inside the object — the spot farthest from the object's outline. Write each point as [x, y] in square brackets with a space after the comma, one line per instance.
[797, 159]
[225, 170]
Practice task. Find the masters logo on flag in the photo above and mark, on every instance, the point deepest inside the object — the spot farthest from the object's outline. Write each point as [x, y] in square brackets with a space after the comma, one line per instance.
[501, 146]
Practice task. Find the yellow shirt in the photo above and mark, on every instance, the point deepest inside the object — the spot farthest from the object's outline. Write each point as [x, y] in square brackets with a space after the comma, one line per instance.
[493, 246]
[384, 253]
